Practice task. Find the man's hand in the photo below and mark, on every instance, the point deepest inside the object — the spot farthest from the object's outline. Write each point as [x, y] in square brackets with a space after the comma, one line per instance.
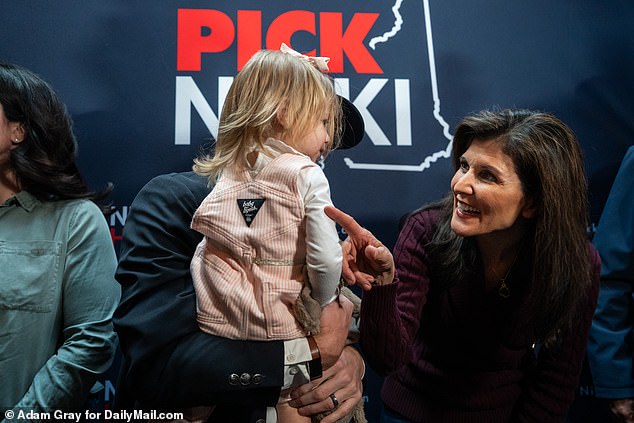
[366, 261]
[343, 380]
[623, 410]
[334, 326]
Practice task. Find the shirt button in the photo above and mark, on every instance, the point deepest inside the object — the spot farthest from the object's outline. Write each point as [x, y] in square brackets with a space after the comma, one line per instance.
[234, 379]
[293, 370]
[290, 358]
[245, 379]
[257, 378]
[260, 421]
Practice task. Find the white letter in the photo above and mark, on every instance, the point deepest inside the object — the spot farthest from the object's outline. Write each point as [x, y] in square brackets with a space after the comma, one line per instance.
[363, 100]
[187, 95]
[403, 113]
[120, 216]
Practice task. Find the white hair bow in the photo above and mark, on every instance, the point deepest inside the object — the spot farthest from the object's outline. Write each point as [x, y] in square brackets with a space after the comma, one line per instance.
[320, 63]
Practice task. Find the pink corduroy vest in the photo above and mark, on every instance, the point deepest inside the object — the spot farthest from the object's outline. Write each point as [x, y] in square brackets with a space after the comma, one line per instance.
[250, 267]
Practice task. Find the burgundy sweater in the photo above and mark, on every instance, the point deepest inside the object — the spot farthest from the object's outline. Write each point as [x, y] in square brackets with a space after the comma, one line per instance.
[460, 354]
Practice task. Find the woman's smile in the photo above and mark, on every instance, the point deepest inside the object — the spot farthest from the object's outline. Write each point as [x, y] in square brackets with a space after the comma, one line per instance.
[488, 195]
[465, 209]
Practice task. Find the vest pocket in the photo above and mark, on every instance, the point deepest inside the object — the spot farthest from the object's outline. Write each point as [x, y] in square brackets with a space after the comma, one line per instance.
[280, 289]
[212, 285]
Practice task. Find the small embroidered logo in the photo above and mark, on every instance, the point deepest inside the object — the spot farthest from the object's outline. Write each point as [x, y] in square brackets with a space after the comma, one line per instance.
[250, 208]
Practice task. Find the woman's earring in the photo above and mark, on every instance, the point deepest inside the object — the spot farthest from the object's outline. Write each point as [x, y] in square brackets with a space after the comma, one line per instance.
[16, 141]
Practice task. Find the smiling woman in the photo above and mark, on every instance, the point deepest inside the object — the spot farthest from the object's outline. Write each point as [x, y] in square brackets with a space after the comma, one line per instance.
[489, 199]
[490, 205]
[494, 288]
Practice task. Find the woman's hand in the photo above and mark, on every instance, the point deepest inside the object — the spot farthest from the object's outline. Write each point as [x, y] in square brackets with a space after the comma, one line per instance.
[366, 261]
[343, 380]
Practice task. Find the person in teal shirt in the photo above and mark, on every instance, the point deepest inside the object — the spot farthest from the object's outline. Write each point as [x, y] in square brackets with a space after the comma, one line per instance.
[57, 286]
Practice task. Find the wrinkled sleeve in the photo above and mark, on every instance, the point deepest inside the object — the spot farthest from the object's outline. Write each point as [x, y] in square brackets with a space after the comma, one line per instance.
[323, 253]
[391, 314]
[90, 295]
[168, 361]
[611, 340]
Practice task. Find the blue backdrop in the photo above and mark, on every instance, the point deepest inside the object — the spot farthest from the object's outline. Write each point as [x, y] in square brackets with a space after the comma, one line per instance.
[144, 81]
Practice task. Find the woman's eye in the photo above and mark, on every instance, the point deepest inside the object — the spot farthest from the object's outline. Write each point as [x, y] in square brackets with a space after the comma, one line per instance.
[488, 176]
[464, 167]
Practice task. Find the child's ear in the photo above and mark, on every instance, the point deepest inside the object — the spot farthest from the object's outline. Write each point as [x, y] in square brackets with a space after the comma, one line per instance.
[281, 118]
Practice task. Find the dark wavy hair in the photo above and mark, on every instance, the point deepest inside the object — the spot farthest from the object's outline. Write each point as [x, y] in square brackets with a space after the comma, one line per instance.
[549, 162]
[45, 161]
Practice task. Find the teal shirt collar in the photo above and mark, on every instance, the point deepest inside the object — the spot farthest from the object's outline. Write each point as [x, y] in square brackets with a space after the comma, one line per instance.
[25, 200]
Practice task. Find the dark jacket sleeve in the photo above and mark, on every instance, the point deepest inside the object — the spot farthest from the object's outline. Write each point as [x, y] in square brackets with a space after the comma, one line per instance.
[610, 346]
[167, 361]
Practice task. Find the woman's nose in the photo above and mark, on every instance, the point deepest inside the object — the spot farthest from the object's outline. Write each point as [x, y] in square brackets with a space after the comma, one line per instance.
[463, 182]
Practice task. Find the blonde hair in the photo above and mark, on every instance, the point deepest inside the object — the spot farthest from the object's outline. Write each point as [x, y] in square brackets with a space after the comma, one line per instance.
[271, 85]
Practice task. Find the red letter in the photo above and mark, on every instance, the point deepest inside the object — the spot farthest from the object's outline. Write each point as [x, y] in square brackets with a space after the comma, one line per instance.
[191, 42]
[334, 42]
[285, 25]
[249, 35]
[115, 237]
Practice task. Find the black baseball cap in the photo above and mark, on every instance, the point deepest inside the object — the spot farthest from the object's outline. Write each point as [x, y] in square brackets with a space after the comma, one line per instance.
[353, 126]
